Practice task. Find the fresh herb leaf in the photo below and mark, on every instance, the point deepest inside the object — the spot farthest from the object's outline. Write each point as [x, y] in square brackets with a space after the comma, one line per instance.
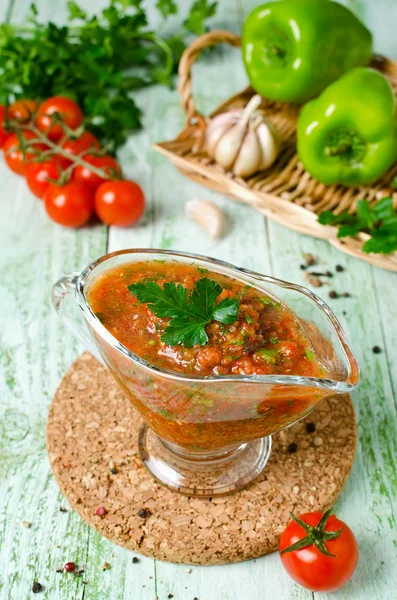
[273, 340]
[379, 221]
[248, 319]
[200, 11]
[167, 7]
[189, 314]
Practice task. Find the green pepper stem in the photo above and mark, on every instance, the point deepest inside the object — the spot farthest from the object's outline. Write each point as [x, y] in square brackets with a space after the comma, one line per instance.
[338, 149]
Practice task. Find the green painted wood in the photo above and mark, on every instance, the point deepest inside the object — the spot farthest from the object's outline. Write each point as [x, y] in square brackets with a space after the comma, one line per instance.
[35, 351]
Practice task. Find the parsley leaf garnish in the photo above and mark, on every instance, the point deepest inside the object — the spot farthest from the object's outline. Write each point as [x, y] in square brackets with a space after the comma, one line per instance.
[379, 221]
[189, 313]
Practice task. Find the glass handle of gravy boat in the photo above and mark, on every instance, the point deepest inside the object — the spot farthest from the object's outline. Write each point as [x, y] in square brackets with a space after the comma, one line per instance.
[64, 301]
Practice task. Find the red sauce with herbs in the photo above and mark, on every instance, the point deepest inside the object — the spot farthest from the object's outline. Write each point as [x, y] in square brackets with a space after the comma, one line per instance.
[265, 339]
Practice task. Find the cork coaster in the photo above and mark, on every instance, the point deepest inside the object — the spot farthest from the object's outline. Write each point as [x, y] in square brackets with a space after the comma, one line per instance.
[92, 434]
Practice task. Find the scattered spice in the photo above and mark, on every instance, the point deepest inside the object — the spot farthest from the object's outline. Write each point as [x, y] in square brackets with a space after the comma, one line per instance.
[310, 427]
[37, 587]
[292, 447]
[309, 259]
[188, 571]
[320, 274]
[70, 567]
[333, 294]
[63, 509]
[195, 598]
[329, 274]
[170, 595]
[339, 268]
[113, 471]
[26, 524]
[106, 566]
[302, 267]
[313, 280]
[376, 350]
[59, 570]
[344, 312]
[318, 441]
[101, 511]
[144, 513]
[346, 295]
[135, 560]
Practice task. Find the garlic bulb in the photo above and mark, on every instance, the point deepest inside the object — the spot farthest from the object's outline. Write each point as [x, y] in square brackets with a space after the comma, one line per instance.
[208, 215]
[242, 140]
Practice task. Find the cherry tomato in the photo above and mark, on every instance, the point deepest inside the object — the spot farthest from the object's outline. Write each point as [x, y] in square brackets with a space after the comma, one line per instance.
[22, 110]
[309, 566]
[13, 154]
[4, 135]
[70, 205]
[38, 173]
[76, 146]
[68, 111]
[107, 163]
[119, 203]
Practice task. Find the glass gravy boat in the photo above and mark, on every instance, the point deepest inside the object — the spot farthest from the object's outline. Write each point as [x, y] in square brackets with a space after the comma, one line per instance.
[208, 435]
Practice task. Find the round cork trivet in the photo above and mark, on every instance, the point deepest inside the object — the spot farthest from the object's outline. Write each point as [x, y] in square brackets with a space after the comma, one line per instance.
[92, 436]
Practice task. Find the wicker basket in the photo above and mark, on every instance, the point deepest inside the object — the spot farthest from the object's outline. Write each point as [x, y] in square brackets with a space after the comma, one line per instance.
[285, 193]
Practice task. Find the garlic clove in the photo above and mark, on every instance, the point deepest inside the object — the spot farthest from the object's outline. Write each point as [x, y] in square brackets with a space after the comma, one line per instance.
[208, 215]
[269, 143]
[229, 145]
[249, 159]
[217, 127]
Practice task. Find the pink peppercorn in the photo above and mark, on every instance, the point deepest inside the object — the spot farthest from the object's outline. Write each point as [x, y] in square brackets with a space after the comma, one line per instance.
[70, 567]
[101, 511]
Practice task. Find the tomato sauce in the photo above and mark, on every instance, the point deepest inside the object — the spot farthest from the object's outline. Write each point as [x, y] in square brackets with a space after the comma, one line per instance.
[265, 339]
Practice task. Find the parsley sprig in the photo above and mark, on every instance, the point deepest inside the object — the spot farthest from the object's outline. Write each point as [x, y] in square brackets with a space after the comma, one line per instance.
[98, 60]
[189, 313]
[379, 221]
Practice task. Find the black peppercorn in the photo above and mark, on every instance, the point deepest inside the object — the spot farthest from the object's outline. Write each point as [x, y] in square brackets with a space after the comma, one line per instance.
[346, 295]
[143, 513]
[113, 471]
[37, 587]
[339, 268]
[376, 350]
[170, 595]
[310, 427]
[333, 294]
[329, 274]
[292, 447]
[302, 267]
[135, 560]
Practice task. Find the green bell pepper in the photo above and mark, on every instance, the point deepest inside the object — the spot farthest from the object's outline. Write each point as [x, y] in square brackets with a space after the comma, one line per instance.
[293, 49]
[348, 134]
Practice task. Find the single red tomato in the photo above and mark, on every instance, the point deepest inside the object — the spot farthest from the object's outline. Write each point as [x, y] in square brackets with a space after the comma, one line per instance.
[70, 205]
[14, 155]
[119, 203]
[38, 173]
[78, 145]
[319, 551]
[107, 163]
[4, 135]
[22, 110]
[67, 110]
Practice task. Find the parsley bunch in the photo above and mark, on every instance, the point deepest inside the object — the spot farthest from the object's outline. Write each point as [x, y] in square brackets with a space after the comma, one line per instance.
[380, 222]
[99, 61]
[189, 313]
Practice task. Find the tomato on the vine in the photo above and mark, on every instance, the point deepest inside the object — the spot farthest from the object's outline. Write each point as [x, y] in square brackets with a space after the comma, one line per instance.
[319, 551]
[38, 173]
[76, 146]
[119, 203]
[66, 109]
[22, 110]
[70, 205]
[107, 163]
[4, 135]
[13, 154]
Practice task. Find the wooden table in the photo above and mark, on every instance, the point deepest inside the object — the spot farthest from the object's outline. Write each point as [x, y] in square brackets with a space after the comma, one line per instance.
[35, 351]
